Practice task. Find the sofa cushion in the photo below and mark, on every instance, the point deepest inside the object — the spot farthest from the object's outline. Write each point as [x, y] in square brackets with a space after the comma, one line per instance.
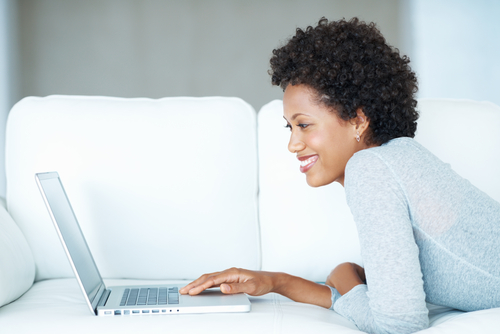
[305, 231]
[57, 306]
[163, 189]
[63, 310]
[17, 268]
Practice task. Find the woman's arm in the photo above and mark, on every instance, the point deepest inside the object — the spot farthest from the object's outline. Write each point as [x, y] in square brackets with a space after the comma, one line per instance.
[257, 283]
[345, 277]
[393, 301]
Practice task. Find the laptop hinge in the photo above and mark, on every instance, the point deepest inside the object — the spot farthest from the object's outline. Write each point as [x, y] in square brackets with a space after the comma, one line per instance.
[104, 298]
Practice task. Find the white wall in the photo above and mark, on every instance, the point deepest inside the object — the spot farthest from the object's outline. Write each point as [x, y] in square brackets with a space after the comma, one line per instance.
[4, 83]
[7, 80]
[456, 48]
[157, 48]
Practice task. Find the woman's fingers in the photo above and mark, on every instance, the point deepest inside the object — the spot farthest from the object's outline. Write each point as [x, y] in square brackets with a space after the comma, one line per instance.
[211, 281]
[195, 283]
[232, 281]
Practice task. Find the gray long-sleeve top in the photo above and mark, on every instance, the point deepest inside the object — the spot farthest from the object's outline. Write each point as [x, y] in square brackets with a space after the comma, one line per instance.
[426, 234]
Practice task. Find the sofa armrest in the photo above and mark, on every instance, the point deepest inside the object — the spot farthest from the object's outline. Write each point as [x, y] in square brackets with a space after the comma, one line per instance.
[17, 268]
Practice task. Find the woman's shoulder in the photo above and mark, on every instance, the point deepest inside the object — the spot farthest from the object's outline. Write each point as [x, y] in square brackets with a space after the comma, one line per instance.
[396, 151]
[401, 160]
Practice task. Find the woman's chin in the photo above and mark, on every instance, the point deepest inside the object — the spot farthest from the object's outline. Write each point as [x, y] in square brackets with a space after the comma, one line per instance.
[314, 182]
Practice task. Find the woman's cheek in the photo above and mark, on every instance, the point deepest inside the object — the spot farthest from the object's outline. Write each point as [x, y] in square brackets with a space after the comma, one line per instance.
[315, 142]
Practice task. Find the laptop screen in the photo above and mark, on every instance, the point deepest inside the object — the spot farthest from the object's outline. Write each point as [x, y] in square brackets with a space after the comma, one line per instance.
[68, 228]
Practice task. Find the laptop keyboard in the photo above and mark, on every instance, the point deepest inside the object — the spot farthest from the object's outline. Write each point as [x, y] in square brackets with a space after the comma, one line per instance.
[150, 296]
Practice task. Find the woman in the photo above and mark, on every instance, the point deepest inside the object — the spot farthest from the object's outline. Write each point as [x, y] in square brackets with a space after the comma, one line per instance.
[426, 234]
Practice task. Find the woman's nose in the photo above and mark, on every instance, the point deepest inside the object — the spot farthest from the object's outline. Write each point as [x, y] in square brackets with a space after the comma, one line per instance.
[295, 144]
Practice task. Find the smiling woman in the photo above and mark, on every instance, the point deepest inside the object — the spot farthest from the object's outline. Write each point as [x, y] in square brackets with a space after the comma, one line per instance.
[426, 234]
[322, 140]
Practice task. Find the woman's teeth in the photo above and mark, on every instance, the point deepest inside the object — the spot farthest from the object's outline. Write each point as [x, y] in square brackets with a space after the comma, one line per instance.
[307, 162]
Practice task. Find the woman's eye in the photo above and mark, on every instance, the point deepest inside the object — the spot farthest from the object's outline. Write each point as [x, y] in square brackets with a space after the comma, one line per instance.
[288, 126]
[303, 126]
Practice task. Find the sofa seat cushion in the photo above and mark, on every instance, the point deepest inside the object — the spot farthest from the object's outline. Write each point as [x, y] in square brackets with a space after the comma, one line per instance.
[57, 306]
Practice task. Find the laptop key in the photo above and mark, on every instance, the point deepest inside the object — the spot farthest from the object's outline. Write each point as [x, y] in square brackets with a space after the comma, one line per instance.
[124, 297]
[132, 300]
[173, 298]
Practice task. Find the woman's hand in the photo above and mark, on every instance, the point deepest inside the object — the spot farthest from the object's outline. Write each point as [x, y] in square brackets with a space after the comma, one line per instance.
[234, 280]
[345, 277]
[257, 283]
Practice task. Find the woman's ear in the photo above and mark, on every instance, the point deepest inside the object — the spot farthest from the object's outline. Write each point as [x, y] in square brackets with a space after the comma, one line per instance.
[360, 123]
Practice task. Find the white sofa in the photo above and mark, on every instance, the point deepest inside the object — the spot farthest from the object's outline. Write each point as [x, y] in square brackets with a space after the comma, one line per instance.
[168, 189]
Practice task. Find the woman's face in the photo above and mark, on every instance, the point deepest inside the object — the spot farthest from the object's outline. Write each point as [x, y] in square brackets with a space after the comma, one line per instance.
[322, 141]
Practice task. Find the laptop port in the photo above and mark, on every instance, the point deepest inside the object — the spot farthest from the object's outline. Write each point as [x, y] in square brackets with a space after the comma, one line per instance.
[156, 311]
[145, 311]
[118, 312]
[126, 312]
[135, 311]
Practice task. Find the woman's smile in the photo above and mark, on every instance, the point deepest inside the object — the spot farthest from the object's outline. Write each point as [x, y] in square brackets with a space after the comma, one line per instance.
[306, 162]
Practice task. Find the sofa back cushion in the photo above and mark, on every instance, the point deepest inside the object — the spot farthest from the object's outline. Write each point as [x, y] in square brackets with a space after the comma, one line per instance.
[162, 189]
[308, 231]
[17, 268]
[465, 134]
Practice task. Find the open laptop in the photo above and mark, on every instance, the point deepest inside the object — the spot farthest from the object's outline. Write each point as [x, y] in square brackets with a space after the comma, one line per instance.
[121, 300]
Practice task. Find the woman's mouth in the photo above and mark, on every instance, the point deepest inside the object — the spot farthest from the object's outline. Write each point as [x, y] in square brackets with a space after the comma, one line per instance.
[306, 162]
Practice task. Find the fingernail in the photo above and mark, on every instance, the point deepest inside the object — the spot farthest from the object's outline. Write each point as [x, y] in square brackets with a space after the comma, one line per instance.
[225, 288]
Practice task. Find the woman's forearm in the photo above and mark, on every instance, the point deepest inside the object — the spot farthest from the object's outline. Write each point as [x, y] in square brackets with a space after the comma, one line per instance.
[302, 290]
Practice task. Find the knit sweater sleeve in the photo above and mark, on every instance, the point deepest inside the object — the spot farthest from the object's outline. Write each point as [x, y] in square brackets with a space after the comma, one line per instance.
[393, 301]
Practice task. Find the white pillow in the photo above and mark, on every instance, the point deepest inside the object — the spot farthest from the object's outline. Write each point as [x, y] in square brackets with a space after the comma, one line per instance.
[17, 268]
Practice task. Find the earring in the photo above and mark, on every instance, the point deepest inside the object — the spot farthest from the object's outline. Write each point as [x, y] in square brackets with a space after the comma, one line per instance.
[357, 136]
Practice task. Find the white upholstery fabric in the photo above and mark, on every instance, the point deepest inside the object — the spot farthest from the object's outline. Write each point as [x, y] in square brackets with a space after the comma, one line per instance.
[57, 306]
[466, 135]
[17, 268]
[154, 183]
[141, 172]
[305, 231]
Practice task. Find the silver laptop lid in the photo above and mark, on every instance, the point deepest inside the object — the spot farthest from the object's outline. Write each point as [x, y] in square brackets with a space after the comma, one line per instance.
[71, 236]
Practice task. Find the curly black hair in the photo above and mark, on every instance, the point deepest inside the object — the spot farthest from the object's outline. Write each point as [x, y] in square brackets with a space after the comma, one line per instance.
[349, 65]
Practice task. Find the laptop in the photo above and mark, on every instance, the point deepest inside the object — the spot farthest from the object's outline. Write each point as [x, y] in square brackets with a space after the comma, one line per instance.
[122, 300]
